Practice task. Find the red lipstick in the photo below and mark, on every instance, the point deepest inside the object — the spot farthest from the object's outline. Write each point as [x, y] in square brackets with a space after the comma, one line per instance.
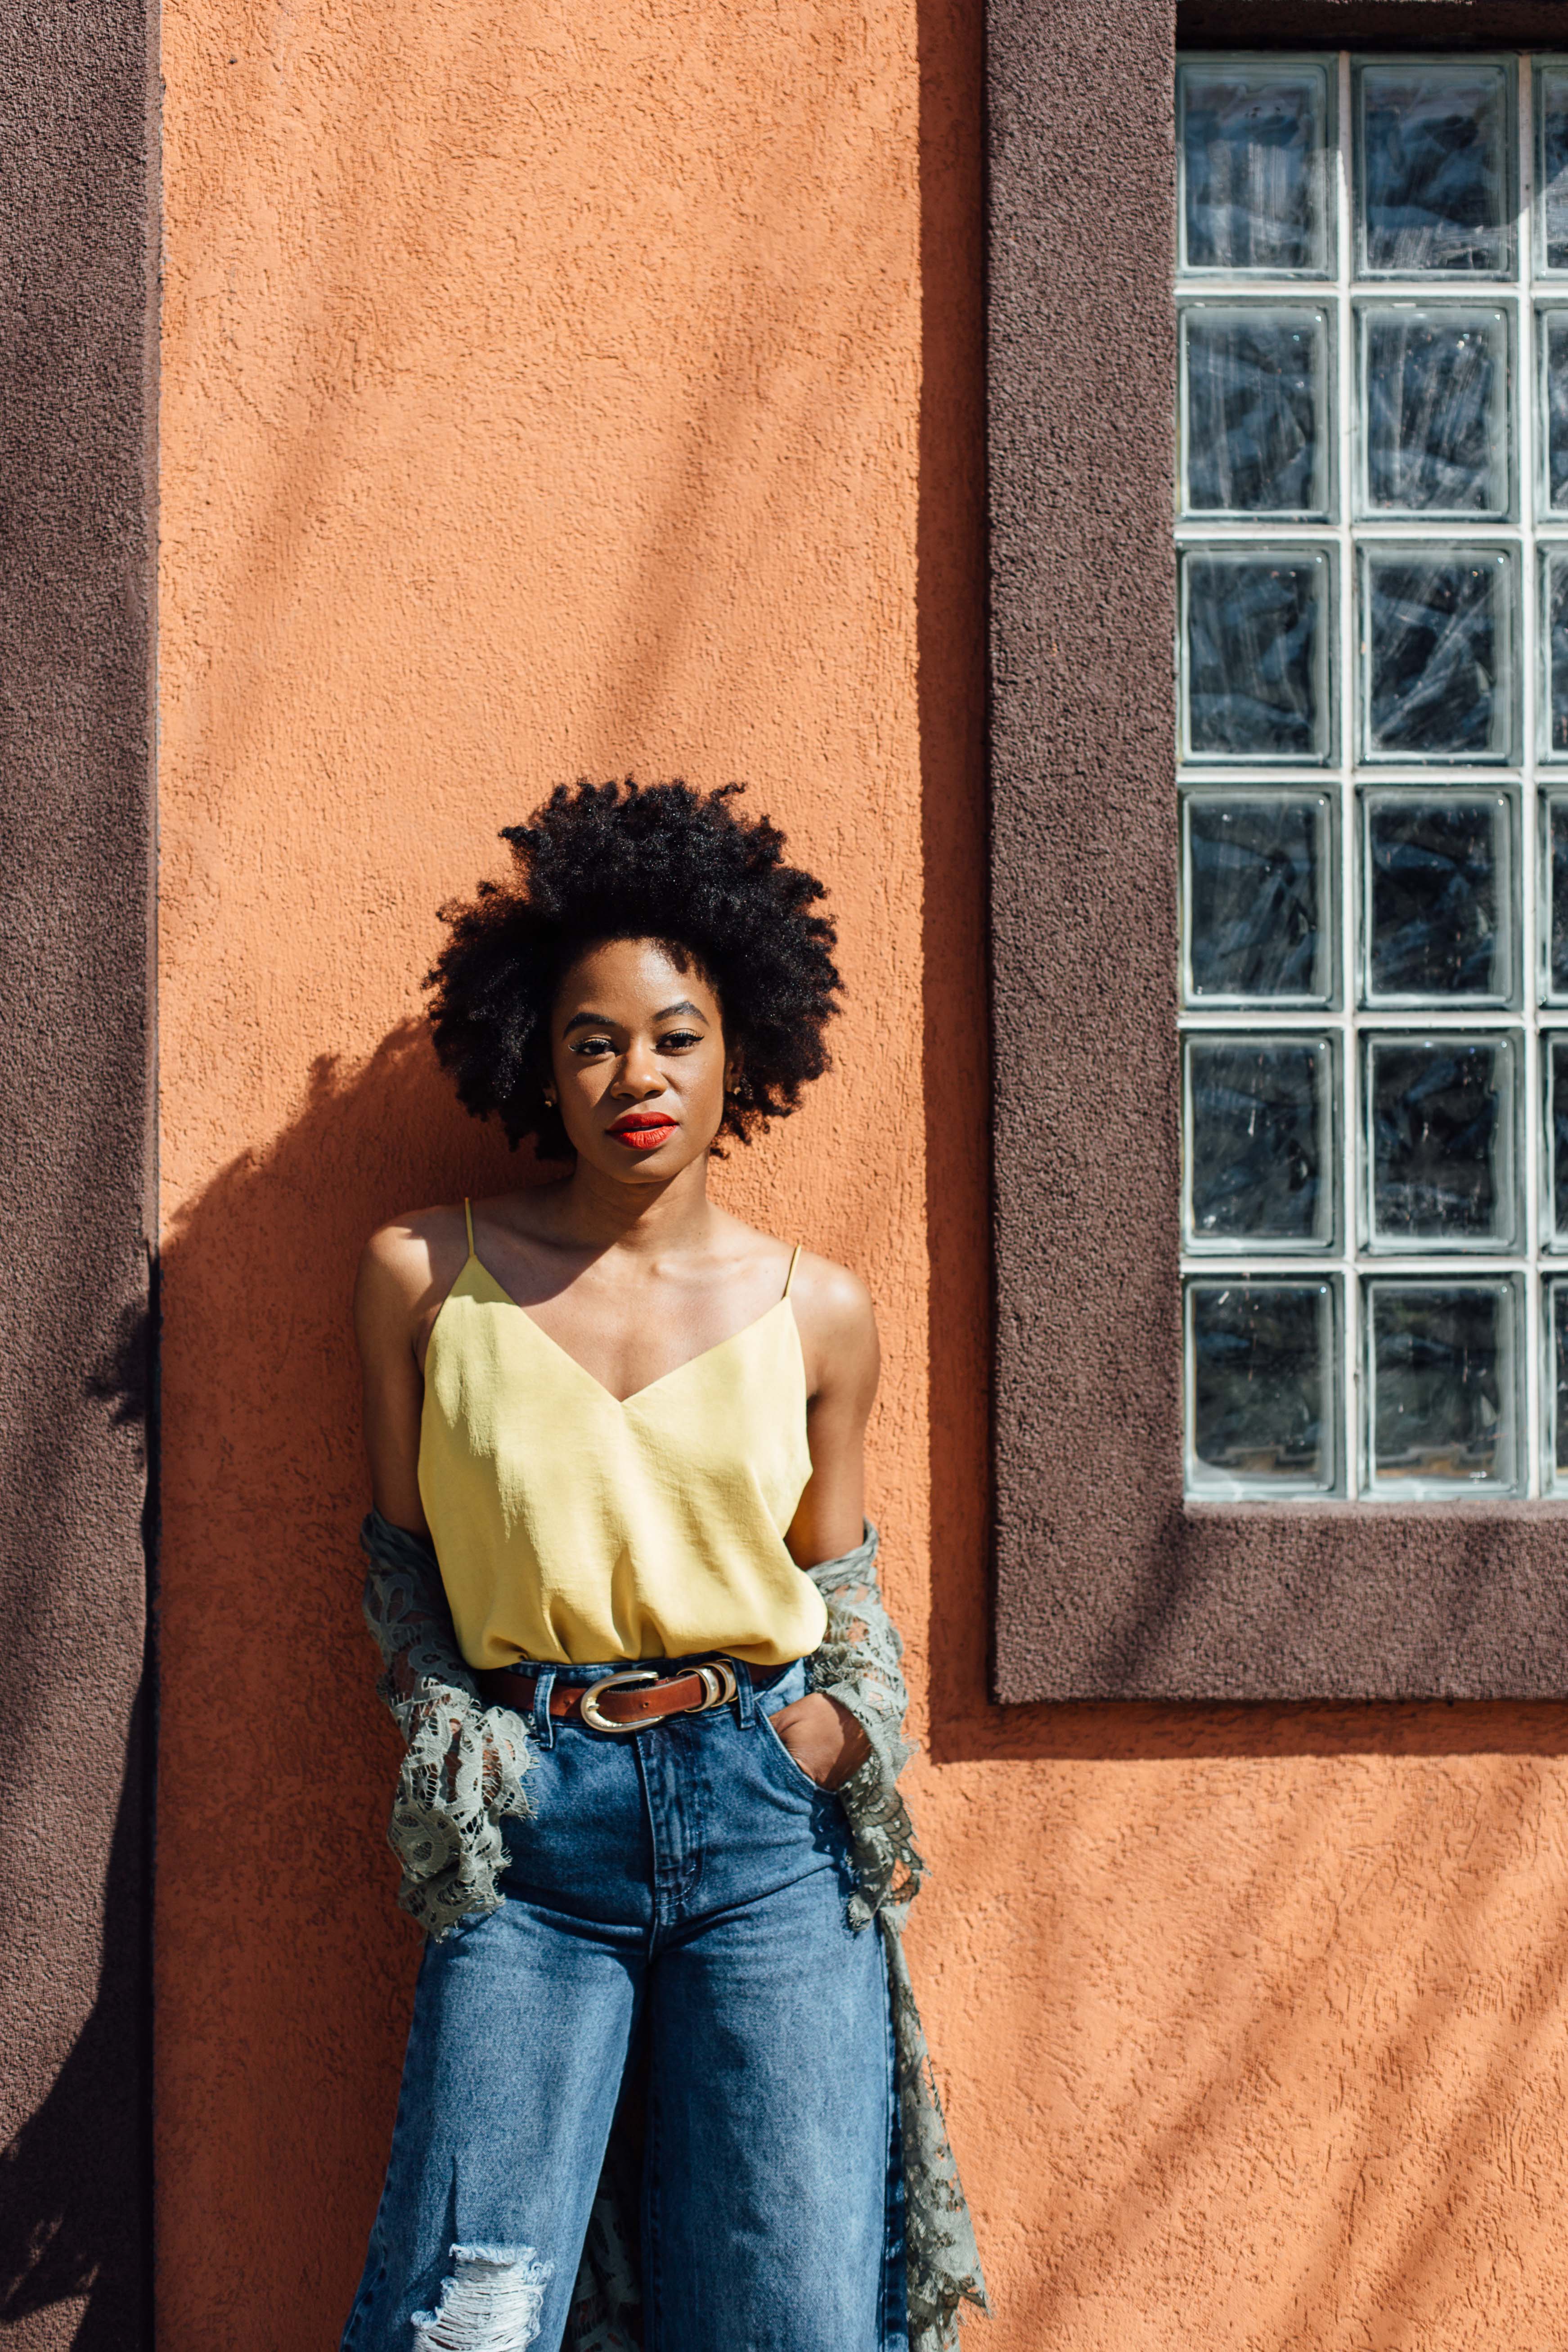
[642, 1130]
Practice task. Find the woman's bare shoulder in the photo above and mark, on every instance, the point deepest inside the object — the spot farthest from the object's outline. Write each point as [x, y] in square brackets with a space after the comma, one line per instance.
[833, 1296]
[838, 1333]
[833, 1308]
[419, 1250]
[826, 1295]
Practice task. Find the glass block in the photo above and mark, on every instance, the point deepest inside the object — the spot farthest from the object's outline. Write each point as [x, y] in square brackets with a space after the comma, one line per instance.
[1258, 897]
[1252, 142]
[1255, 434]
[1438, 645]
[1260, 1142]
[1442, 1156]
[1551, 347]
[1554, 646]
[1255, 624]
[1443, 1366]
[1434, 170]
[1554, 1079]
[1435, 410]
[1555, 1332]
[1262, 1387]
[1552, 165]
[1440, 922]
[1554, 922]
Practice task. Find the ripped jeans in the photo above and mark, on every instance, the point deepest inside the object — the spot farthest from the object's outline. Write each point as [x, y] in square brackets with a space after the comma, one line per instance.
[680, 1894]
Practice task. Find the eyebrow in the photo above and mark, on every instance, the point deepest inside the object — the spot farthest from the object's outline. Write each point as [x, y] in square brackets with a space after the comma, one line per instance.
[603, 1021]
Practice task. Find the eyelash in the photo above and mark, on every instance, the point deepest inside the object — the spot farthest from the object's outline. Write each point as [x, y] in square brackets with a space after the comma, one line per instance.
[675, 1040]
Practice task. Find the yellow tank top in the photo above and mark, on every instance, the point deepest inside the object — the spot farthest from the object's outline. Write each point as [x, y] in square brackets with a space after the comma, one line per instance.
[573, 1526]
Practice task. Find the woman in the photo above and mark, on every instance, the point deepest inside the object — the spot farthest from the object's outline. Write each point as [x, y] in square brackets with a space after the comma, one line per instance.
[620, 1575]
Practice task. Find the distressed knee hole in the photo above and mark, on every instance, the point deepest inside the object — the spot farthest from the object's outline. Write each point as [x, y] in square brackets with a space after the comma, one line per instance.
[493, 2302]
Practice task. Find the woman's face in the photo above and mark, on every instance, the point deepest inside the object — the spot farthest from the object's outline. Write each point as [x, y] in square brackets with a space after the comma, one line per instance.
[639, 1062]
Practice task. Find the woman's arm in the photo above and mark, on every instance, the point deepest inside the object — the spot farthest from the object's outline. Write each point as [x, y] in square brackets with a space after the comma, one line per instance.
[394, 1298]
[839, 1341]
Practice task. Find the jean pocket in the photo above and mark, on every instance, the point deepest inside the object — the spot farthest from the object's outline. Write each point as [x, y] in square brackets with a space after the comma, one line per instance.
[797, 1772]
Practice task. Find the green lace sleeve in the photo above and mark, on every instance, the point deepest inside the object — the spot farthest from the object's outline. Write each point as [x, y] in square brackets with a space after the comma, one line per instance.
[463, 1762]
[859, 1663]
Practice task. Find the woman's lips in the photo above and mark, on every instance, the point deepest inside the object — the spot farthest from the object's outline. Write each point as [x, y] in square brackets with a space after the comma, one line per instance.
[643, 1134]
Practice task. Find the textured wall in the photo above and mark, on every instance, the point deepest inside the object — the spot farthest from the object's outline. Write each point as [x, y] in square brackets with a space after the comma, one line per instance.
[76, 411]
[551, 390]
[540, 397]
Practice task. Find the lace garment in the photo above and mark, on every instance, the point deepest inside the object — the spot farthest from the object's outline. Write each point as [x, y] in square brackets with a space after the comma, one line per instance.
[462, 1774]
[463, 1762]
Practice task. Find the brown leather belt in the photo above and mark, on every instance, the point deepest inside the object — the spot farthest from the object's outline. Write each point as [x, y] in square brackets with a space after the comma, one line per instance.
[621, 1702]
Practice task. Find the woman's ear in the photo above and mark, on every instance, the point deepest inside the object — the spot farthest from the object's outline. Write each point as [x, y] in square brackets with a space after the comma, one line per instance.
[731, 1071]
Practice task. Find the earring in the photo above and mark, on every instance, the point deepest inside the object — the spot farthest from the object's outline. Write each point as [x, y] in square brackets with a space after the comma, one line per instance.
[550, 1097]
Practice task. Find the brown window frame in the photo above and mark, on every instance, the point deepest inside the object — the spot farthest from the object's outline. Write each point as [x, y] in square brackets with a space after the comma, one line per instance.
[1110, 1583]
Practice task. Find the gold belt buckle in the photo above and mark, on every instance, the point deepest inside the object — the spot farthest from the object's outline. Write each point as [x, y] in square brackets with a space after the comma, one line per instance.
[720, 1689]
[589, 1704]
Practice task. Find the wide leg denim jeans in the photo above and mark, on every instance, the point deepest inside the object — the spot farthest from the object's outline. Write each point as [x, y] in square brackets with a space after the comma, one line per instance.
[686, 1888]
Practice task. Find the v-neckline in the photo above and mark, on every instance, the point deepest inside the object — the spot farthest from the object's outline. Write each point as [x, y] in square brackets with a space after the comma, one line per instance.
[591, 1378]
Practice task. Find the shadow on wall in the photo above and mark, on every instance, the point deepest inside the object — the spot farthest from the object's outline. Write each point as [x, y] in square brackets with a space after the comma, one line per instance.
[69, 2233]
[950, 578]
[280, 2054]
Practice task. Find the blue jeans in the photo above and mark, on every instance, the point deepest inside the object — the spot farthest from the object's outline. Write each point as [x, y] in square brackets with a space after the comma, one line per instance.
[683, 1890]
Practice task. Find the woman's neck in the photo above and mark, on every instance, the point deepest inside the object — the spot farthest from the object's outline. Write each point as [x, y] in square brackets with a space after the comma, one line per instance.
[591, 1210]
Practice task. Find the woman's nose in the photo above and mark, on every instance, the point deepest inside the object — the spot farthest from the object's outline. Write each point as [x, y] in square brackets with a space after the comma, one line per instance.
[639, 1075]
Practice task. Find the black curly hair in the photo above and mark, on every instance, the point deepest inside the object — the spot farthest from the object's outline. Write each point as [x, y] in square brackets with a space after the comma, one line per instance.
[632, 861]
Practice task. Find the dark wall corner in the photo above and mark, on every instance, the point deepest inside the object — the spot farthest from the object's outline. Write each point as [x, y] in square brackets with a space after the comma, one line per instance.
[78, 368]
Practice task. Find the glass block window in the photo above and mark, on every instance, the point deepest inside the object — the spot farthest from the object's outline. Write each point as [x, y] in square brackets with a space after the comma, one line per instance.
[1372, 529]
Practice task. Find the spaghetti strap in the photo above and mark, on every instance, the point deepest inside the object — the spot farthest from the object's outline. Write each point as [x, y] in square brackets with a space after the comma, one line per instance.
[794, 1261]
[468, 1221]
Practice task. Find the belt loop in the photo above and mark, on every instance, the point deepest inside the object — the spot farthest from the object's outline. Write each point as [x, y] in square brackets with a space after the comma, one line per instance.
[745, 1696]
[543, 1721]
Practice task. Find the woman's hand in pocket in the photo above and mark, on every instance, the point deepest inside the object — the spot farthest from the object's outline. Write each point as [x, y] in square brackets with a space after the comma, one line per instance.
[824, 1738]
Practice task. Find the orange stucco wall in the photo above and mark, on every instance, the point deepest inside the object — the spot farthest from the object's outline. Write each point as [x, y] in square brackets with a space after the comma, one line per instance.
[551, 390]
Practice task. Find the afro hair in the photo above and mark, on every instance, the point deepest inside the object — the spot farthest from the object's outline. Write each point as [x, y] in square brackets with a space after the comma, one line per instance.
[619, 861]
